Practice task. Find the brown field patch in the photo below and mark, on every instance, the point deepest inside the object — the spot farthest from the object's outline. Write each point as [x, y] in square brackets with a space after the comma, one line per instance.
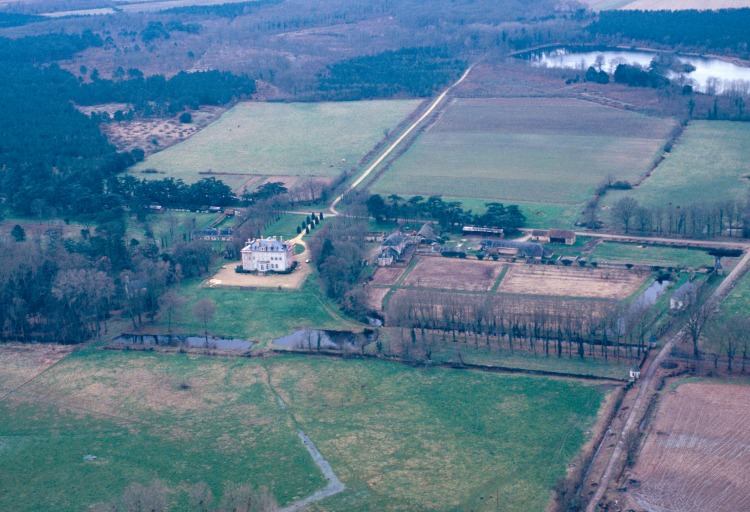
[697, 456]
[375, 297]
[387, 275]
[21, 363]
[557, 281]
[143, 133]
[452, 274]
[508, 304]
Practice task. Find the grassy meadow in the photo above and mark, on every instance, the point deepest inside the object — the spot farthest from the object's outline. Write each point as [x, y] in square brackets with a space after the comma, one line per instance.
[737, 302]
[254, 142]
[544, 153]
[398, 437]
[259, 315]
[651, 255]
[709, 163]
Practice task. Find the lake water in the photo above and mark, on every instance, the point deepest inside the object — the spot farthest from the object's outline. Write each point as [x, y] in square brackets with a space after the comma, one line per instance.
[187, 341]
[706, 69]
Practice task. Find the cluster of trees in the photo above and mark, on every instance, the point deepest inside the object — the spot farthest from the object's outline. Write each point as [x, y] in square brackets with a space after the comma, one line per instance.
[154, 497]
[723, 29]
[170, 192]
[407, 72]
[597, 76]
[636, 76]
[16, 19]
[545, 328]
[47, 47]
[157, 95]
[338, 252]
[64, 290]
[228, 10]
[697, 220]
[158, 30]
[450, 215]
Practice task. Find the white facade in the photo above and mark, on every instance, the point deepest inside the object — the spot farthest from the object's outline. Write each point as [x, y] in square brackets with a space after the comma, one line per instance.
[268, 254]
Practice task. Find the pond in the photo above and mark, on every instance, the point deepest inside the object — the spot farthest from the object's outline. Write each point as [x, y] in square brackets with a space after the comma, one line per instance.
[311, 339]
[647, 299]
[719, 74]
[172, 340]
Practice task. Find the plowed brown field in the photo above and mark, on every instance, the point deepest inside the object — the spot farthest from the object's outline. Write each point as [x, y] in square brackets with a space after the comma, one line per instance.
[697, 457]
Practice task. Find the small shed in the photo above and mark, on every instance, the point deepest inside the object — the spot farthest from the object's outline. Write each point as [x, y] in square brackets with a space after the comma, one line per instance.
[635, 373]
[562, 236]
[683, 296]
[477, 230]
[375, 236]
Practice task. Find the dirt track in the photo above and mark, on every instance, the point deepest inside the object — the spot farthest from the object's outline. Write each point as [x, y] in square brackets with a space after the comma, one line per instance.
[637, 410]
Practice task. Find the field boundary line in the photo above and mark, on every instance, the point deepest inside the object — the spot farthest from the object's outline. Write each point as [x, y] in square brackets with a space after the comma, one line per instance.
[499, 279]
[28, 381]
[335, 485]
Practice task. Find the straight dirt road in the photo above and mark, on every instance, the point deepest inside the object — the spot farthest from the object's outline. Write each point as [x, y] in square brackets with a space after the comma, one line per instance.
[398, 141]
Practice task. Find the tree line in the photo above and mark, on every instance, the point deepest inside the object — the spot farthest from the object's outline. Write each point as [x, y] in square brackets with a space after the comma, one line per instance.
[563, 330]
[449, 214]
[723, 29]
[412, 72]
[695, 220]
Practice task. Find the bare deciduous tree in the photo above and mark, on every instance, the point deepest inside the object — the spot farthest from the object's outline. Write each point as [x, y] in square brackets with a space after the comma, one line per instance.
[204, 310]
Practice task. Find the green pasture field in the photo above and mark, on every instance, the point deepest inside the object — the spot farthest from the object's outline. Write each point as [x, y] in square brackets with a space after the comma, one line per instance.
[708, 164]
[651, 254]
[129, 410]
[399, 438]
[170, 226]
[286, 226]
[261, 315]
[737, 302]
[436, 439]
[529, 150]
[254, 141]
[538, 215]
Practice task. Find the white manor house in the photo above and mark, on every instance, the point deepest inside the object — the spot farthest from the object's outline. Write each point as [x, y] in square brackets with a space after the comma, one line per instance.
[268, 254]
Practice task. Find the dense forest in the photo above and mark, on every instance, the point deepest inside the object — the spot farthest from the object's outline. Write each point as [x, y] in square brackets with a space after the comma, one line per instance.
[408, 72]
[55, 160]
[725, 29]
[229, 10]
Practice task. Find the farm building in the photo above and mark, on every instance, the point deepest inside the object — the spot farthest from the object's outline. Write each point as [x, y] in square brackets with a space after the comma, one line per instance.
[214, 234]
[391, 249]
[476, 230]
[395, 241]
[268, 254]
[375, 236]
[555, 236]
[427, 234]
[522, 249]
[683, 296]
